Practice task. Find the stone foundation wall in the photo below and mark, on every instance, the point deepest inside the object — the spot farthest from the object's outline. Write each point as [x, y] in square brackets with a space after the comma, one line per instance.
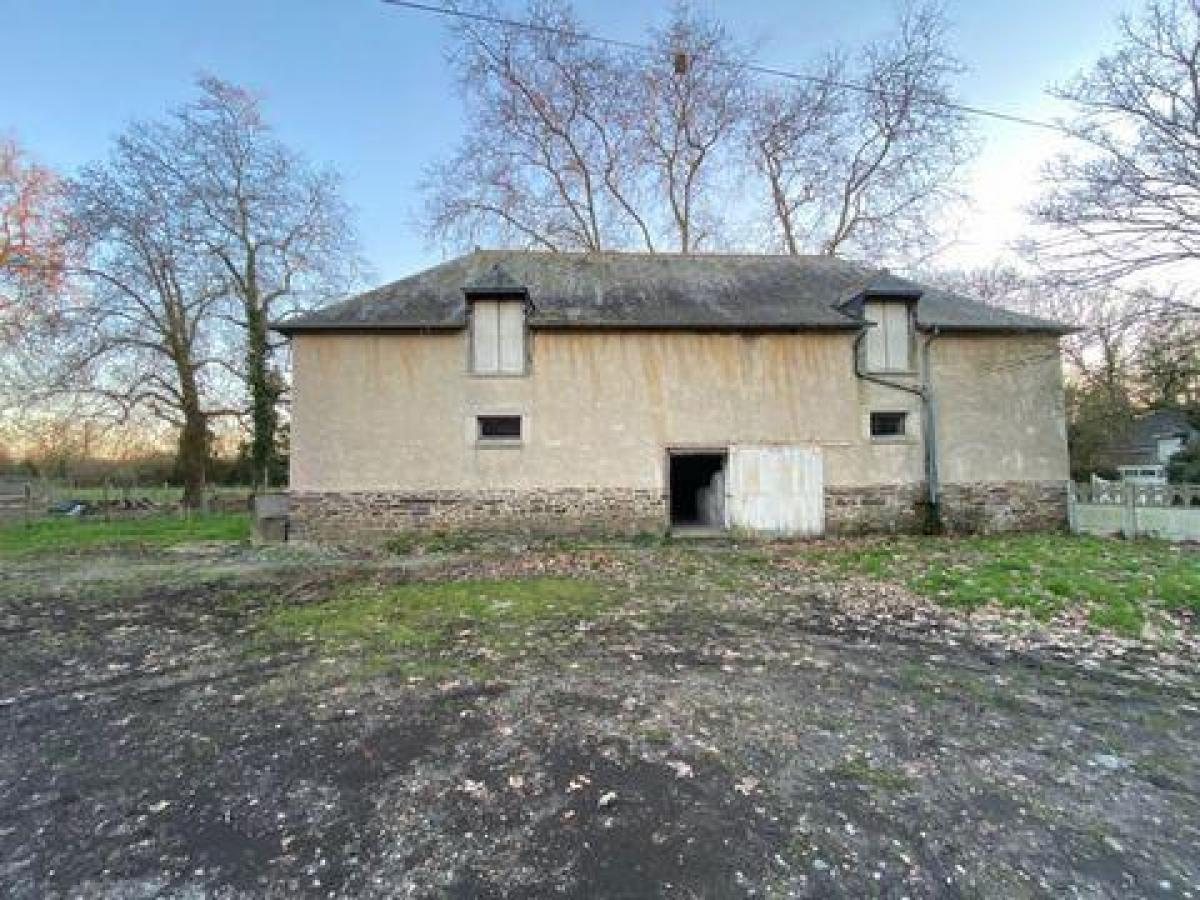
[980, 508]
[867, 509]
[987, 507]
[874, 509]
[333, 516]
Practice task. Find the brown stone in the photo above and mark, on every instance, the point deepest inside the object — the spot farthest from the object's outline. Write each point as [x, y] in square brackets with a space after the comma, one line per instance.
[867, 509]
[356, 514]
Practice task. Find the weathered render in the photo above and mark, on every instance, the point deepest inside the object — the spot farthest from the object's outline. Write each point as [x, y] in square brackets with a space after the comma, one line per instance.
[385, 418]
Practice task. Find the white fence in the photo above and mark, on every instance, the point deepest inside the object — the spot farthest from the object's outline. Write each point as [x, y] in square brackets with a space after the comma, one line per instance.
[1167, 511]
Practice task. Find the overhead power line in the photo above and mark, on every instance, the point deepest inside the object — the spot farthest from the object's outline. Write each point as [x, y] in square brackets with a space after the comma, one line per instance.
[968, 109]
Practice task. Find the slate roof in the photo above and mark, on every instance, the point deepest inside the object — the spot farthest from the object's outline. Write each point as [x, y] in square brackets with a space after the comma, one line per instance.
[1166, 422]
[1147, 428]
[654, 291]
[1138, 444]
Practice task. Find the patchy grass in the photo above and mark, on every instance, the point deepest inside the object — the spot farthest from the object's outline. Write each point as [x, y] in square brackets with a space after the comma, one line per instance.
[1119, 583]
[859, 770]
[420, 542]
[70, 534]
[482, 618]
[789, 726]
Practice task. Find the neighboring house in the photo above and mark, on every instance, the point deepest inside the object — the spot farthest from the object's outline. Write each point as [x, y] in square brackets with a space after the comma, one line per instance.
[770, 394]
[1143, 451]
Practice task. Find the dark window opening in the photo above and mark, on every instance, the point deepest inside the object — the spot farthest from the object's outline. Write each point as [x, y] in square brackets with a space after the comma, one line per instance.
[698, 490]
[499, 428]
[888, 424]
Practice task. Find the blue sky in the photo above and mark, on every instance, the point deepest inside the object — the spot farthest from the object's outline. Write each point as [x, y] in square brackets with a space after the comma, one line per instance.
[364, 87]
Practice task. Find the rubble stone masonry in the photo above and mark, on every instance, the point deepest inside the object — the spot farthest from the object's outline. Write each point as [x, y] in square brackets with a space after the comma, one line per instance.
[331, 516]
[989, 507]
[874, 509]
[868, 509]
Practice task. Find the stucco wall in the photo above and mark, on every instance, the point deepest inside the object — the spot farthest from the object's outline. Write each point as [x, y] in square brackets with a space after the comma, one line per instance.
[1000, 411]
[396, 412]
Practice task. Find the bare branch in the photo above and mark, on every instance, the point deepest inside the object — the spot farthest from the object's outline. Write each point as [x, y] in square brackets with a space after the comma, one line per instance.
[1125, 201]
[865, 171]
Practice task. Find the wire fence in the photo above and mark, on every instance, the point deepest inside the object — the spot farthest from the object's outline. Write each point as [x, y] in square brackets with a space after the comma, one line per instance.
[35, 499]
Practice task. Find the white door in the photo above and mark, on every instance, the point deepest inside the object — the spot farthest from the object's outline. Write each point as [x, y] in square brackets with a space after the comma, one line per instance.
[777, 490]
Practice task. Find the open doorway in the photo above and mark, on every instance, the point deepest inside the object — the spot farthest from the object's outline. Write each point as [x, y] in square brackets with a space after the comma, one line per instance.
[697, 482]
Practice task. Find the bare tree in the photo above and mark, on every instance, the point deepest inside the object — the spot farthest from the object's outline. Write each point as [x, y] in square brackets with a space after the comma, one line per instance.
[206, 228]
[1126, 200]
[144, 339]
[866, 156]
[571, 145]
[276, 225]
[548, 159]
[790, 133]
[693, 101]
[574, 146]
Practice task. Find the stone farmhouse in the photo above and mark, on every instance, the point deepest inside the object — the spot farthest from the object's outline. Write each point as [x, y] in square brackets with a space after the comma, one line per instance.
[779, 395]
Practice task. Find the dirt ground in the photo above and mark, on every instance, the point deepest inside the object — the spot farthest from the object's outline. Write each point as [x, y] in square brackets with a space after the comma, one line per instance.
[737, 724]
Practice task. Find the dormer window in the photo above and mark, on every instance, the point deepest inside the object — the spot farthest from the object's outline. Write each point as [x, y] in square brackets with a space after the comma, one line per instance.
[498, 336]
[889, 337]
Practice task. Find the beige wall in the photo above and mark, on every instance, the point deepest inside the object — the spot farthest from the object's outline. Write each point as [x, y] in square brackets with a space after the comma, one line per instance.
[1000, 409]
[396, 411]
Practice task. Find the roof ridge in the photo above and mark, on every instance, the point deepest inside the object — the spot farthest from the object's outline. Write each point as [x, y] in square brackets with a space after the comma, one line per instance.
[668, 254]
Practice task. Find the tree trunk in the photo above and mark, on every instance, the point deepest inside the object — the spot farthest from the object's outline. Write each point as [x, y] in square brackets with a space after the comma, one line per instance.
[263, 393]
[193, 444]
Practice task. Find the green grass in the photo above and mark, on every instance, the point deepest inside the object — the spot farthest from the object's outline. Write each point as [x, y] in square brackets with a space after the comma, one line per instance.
[499, 617]
[69, 534]
[859, 770]
[1120, 583]
[415, 542]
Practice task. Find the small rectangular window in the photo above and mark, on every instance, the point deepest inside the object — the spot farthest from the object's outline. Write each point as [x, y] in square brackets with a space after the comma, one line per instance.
[888, 424]
[499, 428]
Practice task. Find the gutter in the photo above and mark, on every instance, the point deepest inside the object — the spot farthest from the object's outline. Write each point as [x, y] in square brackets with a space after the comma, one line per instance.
[535, 324]
[288, 329]
[690, 327]
[1052, 329]
[928, 418]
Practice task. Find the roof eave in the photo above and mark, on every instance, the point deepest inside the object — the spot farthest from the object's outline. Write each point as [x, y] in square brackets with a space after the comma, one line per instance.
[694, 326]
[289, 328]
[943, 328]
[471, 291]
